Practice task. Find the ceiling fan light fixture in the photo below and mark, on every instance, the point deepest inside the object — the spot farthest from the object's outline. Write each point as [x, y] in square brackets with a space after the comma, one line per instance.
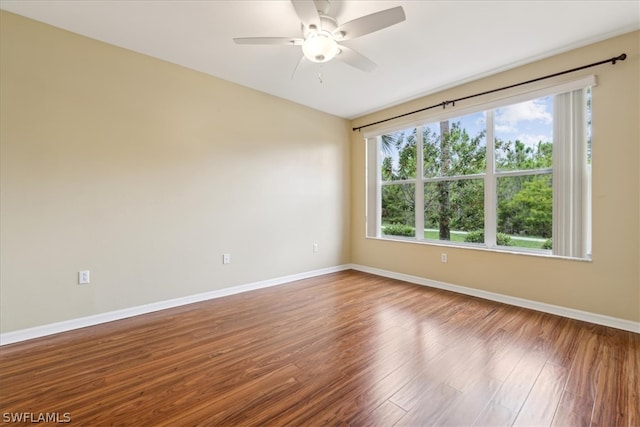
[320, 47]
[321, 34]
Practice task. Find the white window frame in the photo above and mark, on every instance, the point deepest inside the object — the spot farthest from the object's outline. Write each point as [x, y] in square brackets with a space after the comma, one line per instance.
[581, 249]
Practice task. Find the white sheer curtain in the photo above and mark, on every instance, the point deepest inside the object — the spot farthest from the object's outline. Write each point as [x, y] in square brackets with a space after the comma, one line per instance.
[571, 176]
[373, 198]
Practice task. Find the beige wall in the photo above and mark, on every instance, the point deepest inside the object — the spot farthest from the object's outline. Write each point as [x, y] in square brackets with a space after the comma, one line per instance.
[146, 173]
[610, 284]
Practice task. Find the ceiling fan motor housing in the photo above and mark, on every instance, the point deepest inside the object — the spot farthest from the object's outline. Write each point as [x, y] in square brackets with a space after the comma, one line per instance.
[328, 25]
[320, 44]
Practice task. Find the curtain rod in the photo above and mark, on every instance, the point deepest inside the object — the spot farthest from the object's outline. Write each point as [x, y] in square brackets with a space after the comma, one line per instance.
[444, 104]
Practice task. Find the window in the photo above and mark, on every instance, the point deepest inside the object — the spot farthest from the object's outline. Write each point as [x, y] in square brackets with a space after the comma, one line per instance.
[514, 175]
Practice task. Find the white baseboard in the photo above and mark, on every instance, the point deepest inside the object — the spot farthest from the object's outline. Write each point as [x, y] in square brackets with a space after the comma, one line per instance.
[571, 313]
[68, 325]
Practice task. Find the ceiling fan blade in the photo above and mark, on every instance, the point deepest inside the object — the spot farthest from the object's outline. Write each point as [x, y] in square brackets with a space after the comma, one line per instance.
[307, 12]
[269, 41]
[356, 60]
[302, 59]
[371, 23]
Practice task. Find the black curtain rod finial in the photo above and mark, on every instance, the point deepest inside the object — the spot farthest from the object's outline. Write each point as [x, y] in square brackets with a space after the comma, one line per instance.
[618, 58]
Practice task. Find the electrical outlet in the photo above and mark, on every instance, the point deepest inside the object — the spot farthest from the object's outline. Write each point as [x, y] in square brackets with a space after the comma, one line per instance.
[84, 277]
[443, 257]
[226, 258]
[315, 248]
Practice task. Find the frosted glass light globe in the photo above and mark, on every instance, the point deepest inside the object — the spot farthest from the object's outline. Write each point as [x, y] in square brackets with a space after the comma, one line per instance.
[320, 47]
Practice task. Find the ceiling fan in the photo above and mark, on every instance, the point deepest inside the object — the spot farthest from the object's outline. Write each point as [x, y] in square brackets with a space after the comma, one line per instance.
[322, 35]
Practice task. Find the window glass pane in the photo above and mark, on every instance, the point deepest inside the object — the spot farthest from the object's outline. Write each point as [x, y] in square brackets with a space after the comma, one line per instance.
[524, 135]
[525, 211]
[454, 209]
[398, 216]
[398, 155]
[455, 147]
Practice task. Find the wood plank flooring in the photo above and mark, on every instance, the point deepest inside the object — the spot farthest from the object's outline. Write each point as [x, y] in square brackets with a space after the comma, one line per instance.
[343, 349]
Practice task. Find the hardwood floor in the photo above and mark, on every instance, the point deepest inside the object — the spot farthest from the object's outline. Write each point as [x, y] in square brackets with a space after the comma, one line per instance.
[343, 349]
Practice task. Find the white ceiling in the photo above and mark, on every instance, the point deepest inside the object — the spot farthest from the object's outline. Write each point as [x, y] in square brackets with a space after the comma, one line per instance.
[441, 43]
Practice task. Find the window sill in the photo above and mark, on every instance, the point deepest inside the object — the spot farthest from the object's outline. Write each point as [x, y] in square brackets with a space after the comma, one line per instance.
[479, 247]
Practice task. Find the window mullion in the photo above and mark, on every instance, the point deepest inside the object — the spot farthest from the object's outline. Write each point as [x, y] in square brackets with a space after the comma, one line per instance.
[490, 186]
[419, 188]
